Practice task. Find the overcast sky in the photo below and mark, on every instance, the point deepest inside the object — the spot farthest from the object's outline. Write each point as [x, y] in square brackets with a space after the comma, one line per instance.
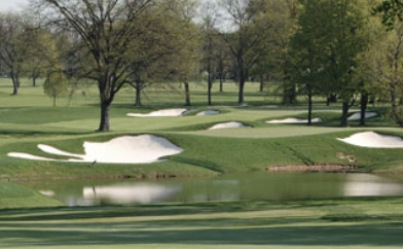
[10, 5]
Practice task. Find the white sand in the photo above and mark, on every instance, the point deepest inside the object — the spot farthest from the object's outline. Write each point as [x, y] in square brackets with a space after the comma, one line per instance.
[228, 125]
[127, 149]
[357, 116]
[131, 194]
[208, 112]
[29, 156]
[160, 113]
[371, 139]
[293, 121]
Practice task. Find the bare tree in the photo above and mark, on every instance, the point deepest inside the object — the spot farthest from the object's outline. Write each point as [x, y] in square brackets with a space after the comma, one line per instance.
[11, 47]
[107, 29]
[246, 35]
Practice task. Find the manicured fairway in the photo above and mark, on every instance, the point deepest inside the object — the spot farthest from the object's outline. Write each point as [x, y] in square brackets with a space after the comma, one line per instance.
[354, 223]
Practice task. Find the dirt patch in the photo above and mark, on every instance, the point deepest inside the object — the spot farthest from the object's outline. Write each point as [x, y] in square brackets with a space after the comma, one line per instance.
[136, 176]
[340, 168]
[350, 158]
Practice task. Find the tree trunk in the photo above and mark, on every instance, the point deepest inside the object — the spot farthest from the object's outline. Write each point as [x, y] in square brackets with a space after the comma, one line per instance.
[242, 80]
[344, 116]
[261, 88]
[210, 85]
[221, 83]
[16, 84]
[309, 108]
[289, 94]
[138, 94]
[187, 93]
[104, 126]
[364, 104]
[34, 80]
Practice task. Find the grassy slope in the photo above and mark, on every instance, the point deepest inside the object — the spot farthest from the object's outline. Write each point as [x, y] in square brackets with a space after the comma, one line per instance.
[352, 223]
[15, 196]
[28, 119]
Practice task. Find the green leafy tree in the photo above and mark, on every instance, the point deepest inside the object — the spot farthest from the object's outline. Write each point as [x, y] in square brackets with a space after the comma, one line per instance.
[333, 34]
[41, 54]
[55, 85]
[390, 71]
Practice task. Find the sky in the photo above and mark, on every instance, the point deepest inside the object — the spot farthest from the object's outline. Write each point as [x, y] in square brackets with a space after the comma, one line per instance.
[12, 5]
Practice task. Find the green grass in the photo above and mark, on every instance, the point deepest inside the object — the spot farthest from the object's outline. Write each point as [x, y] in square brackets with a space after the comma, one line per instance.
[350, 223]
[29, 119]
[16, 196]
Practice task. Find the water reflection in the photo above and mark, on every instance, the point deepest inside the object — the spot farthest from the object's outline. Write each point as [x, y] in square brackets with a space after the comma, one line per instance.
[257, 186]
[141, 193]
[371, 185]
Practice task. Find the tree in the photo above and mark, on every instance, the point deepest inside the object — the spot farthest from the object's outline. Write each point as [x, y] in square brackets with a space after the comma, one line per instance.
[250, 28]
[12, 48]
[334, 44]
[41, 54]
[55, 85]
[106, 29]
[391, 54]
[184, 63]
[273, 62]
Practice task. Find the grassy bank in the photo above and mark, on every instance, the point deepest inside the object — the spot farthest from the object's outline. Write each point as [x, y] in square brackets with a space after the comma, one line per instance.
[16, 196]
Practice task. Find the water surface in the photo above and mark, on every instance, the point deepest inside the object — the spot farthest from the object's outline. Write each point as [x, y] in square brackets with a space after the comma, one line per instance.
[257, 186]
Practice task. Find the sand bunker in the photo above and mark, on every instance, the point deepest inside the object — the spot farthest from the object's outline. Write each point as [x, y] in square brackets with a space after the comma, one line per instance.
[293, 121]
[357, 116]
[127, 149]
[371, 139]
[208, 112]
[228, 125]
[160, 113]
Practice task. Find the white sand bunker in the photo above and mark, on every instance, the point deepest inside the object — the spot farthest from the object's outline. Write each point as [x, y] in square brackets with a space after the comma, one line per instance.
[208, 112]
[371, 139]
[127, 149]
[160, 113]
[293, 121]
[228, 125]
[357, 116]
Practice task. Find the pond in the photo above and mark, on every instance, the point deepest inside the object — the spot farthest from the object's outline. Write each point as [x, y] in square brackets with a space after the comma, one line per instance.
[256, 186]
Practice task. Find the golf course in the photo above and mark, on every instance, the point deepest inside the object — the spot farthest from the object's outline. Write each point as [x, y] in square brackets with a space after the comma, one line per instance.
[255, 185]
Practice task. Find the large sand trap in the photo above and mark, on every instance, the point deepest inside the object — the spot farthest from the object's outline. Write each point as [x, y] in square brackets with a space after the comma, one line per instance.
[371, 139]
[208, 112]
[357, 116]
[228, 125]
[293, 121]
[127, 149]
[160, 113]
